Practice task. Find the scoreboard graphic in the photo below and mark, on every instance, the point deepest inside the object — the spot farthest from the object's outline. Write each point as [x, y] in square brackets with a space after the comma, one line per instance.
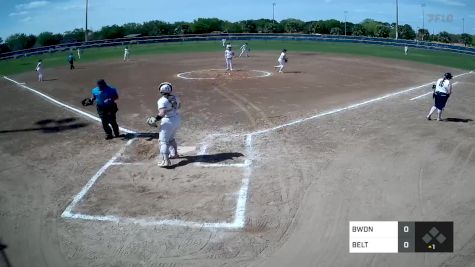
[401, 237]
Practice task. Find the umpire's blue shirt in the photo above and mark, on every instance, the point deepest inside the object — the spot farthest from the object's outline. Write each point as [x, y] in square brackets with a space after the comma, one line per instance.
[105, 98]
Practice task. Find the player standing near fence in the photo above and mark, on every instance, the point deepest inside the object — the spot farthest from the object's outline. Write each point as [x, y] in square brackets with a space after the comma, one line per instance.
[39, 70]
[126, 53]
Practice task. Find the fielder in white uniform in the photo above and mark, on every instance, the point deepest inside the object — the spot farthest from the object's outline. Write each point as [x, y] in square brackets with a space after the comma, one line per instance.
[79, 53]
[244, 49]
[282, 61]
[228, 56]
[442, 92]
[39, 70]
[406, 48]
[224, 42]
[126, 53]
[168, 106]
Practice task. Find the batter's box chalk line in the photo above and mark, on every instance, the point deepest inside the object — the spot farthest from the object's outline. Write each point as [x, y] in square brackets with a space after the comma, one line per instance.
[237, 223]
[240, 211]
[189, 74]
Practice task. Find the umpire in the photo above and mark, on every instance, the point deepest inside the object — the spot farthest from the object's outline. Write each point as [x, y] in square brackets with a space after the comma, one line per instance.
[105, 97]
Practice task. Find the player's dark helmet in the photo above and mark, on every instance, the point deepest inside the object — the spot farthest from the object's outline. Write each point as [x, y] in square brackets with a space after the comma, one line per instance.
[448, 76]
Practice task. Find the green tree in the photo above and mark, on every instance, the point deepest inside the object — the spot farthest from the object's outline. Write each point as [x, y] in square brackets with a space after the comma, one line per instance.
[48, 38]
[466, 39]
[249, 26]
[20, 41]
[132, 28]
[444, 37]
[293, 25]
[423, 34]
[110, 32]
[406, 32]
[76, 35]
[231, 27]
[358, 30]
[157, 27]
[382, 31]
[370, 27]
[181, 27]
[203, 25]
[335, 31]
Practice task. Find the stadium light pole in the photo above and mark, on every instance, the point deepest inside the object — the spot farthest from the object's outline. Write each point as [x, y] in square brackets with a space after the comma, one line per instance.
[397, 19]
[273, 12]
[463, 25]
[85, 32]
[346, 13]
[423, 5]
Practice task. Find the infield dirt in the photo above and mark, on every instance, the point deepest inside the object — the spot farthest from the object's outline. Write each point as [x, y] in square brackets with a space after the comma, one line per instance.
[382, 161]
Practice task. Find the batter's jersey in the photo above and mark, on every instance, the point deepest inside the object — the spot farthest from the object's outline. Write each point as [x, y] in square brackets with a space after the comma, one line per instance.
[228, 54]
[443, 87]
[282, 56]
[171, 104]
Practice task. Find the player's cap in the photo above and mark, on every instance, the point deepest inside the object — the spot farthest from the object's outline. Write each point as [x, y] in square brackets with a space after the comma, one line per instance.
[448, 76]
[101, 83]
[229, 46]
[165, 88]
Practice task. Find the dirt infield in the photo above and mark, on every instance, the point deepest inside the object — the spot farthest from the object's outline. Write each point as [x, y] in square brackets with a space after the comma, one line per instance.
[306, 180]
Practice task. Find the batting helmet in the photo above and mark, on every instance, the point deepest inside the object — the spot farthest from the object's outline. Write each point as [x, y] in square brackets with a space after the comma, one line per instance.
[165, 88]
[448, 76]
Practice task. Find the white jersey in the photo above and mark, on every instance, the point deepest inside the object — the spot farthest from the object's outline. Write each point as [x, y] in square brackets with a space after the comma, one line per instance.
[171, 104]
[283, 55]
[445, 87]
[39, 67]
[244, 47]
[228, 54]
[126, 51]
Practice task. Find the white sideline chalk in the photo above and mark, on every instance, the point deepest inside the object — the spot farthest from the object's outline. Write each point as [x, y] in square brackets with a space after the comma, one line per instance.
[64, 105]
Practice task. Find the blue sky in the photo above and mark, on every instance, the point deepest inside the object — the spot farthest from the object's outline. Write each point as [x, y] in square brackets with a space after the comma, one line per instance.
[35, 16]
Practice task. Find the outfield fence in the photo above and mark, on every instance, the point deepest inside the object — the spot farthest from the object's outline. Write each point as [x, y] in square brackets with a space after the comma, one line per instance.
[238, 37]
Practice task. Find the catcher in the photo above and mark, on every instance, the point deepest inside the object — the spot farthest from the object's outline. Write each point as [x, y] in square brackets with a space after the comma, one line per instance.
[170, 120]
[282, 61]
[105, 97]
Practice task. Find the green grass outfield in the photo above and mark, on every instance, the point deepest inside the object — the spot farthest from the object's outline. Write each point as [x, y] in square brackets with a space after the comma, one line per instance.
[448, 59]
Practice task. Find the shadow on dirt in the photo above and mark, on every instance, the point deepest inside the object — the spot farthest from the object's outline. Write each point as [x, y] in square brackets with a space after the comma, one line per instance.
[51, 126]
[147, 136]
[3, 255]
[215, 158]
[458, 120]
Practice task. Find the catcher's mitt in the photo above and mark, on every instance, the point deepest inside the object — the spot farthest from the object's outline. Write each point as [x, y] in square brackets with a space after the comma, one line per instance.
[87, 102]
[152, 121]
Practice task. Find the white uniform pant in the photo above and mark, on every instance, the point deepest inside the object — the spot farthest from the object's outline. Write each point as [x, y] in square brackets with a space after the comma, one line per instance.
[168, 129]
[229, 64]
[244, 52]
[282, 64]
[40, 75]
[126, 56]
